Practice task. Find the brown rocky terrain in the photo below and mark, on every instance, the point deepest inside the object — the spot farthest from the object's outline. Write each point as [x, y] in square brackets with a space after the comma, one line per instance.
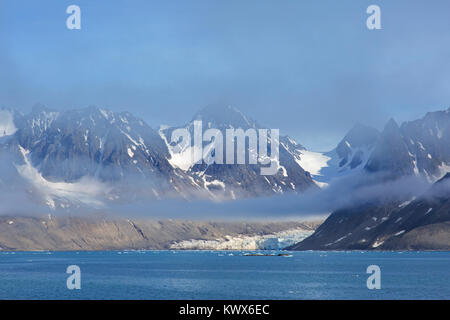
[77, 233]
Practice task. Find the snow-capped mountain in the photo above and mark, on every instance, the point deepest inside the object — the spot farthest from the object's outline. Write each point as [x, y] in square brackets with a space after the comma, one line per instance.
[391, 153]
[350, 155]
[428, 139]
[91, 142]
[392, 219]
[90, 156]
[419, 147]
[230, 179]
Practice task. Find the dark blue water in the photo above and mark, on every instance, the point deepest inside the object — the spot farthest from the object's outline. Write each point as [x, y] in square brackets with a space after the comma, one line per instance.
[224, 275]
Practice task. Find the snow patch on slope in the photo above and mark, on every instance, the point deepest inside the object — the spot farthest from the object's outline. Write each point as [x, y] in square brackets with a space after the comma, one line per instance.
[85, 191]
[182, 156]
[184, 159]
[7, 126]
[313, 162]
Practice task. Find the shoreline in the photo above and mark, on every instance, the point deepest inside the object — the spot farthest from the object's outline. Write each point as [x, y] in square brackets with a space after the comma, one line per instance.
[94, 234]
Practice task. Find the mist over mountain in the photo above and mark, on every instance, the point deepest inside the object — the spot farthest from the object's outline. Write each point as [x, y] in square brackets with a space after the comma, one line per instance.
[95, 158]
[415, 219]
[246, 178]
[418, 148]
[57, 156]
[415, 223]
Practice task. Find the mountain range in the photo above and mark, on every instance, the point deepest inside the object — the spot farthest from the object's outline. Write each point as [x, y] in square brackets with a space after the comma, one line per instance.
[91, 156]
[391, 219]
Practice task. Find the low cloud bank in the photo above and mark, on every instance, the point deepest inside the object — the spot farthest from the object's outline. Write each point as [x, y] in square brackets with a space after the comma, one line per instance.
[21, 185]
[344, 192]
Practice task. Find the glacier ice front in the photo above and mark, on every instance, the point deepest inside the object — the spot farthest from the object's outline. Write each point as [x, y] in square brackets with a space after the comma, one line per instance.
[275, 241]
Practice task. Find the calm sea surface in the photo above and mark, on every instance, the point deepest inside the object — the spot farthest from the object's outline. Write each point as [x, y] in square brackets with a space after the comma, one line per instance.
[224, 275]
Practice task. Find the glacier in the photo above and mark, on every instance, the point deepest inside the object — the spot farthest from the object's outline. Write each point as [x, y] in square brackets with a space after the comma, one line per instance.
[275, 241]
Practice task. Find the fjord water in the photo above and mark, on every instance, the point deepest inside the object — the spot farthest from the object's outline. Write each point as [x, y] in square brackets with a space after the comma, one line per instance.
[224, 275]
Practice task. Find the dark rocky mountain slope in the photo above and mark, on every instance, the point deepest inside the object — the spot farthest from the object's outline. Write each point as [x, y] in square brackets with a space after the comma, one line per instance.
[417, 224]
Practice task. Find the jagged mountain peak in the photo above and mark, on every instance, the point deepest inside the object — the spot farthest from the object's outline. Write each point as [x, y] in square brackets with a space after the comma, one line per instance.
[91, 111]
[39, 108]
[360, 136]
[354, 148]
[391, 153]
[391, 126]
[238, 180]
[220, 116]
[430, 119]
[41, 114]
[96, 142]
[94, 116]
[289, 141]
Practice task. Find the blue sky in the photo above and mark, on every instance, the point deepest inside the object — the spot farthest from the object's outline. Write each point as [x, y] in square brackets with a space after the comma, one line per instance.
[309, 67]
